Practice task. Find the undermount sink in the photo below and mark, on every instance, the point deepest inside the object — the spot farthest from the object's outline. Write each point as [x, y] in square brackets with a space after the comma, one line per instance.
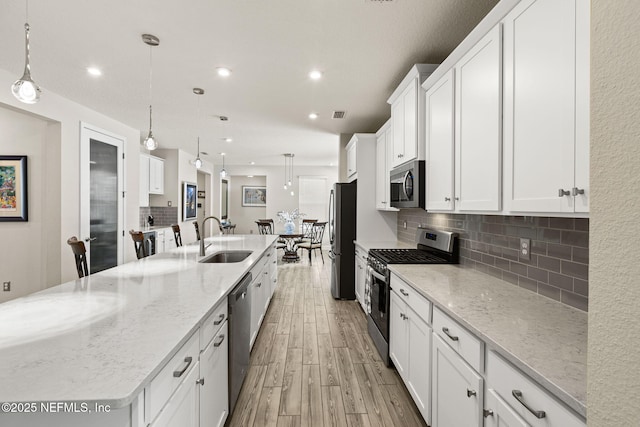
[225, 257]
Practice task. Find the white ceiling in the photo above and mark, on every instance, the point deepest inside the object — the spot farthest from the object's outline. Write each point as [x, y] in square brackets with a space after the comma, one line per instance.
[363, 47]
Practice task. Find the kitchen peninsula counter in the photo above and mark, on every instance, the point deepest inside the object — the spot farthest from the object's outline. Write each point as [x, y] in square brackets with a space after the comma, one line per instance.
[545, 339]
[103, 338]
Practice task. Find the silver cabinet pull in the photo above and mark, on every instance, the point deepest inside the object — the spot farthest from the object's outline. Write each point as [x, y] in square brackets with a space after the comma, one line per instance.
[457, 198]
[403, 292]
[220, 319]
[446, 331]
[187, 360]
[200, 381]
[562, 193]
[518, 395]
[90, 239]
[219, 341]
[575, 191]
[487, 413]
[471, 392]
[259, 284]
[447, 199]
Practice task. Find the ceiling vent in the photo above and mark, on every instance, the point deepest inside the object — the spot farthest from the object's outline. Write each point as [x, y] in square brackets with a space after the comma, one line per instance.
[338, 114]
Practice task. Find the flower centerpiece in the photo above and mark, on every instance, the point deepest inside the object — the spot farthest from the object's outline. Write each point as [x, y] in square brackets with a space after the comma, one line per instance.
[288, 218]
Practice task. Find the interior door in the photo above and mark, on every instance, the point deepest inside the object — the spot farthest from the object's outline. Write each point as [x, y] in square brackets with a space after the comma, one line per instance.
[101, 197]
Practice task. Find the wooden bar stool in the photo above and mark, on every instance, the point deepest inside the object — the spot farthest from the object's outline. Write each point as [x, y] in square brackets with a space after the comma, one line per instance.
[176, 234]
[80, 254]
[195, 224]
[138, 243]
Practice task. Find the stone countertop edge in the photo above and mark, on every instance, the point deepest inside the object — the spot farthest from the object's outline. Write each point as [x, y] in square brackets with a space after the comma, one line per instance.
[408, 273]
[124, 399]
[367, 245]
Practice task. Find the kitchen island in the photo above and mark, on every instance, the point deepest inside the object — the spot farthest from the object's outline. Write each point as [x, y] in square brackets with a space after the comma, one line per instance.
[100, 340]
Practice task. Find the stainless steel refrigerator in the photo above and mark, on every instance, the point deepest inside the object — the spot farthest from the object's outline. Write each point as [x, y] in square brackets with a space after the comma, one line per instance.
[342, 233]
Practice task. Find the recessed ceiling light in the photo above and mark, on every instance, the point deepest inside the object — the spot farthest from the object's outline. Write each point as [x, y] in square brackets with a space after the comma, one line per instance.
[330, 164]
[315, 75]
[313, 116]
[94, 71]
[223, 71]
[223, 154]
[249, 176]
[228, 139]
[252, 163]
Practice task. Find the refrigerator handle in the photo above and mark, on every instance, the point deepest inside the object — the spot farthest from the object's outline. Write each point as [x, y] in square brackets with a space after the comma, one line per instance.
[331, 217]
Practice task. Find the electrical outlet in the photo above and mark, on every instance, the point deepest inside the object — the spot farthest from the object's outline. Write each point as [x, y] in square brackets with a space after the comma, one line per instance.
[404, 224]
[525, 249]
[6, 286]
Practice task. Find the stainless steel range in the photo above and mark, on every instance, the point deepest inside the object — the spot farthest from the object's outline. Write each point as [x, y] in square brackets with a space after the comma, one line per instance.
[434, 247]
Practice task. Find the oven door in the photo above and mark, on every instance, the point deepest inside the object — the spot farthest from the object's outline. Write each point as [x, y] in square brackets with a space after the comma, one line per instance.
[380, 302]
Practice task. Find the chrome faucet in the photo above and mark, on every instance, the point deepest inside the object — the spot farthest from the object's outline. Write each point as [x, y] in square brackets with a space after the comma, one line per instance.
[202, 231]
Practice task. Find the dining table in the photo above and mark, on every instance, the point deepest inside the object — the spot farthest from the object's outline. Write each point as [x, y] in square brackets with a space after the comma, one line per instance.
[291, 241]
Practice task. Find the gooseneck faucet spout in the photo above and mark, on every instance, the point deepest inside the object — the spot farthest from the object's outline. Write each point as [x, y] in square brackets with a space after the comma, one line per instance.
[202, 231]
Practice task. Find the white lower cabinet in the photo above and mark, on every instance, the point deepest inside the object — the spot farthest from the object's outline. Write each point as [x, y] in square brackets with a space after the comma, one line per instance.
[499, 413]
[524, 397]
[456, 388]
[182, 408]
[214, 396]
[361, 276]
[409, 349]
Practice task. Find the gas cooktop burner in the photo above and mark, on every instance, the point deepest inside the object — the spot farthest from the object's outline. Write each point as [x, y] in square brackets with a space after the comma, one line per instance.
[406, 256]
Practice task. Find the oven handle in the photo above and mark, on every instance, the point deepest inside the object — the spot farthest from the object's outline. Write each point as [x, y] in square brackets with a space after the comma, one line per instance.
[378, 275]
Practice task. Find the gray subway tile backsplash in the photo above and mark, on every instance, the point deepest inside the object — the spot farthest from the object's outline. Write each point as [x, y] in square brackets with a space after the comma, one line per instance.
[162, 216]
[559, 263]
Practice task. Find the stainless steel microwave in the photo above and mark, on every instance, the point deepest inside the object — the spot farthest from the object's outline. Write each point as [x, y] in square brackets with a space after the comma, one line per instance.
[408, 185]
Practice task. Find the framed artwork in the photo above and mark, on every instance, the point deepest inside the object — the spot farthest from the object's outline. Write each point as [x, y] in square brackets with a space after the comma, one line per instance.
[13, 188]
[254, 196]
[189, 204]
[201, 194]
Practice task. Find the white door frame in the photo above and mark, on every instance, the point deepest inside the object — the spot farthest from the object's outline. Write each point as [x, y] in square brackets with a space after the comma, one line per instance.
[88, 131]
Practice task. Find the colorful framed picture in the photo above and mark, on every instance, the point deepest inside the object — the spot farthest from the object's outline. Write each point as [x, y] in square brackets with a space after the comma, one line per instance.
[254, 196]
[13, 188]
[189, 203]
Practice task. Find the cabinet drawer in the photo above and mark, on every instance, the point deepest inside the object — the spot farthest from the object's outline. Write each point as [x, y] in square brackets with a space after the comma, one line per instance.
[462, 341]
[414, 300]
[212, 324]
[509, 382]
[171, 376]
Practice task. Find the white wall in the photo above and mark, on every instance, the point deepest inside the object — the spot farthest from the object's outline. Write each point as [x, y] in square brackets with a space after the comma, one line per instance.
[614, 266]
[63, 221]
[245, 216]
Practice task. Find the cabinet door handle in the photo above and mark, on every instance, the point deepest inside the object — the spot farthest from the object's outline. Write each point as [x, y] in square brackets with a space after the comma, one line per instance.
[259, 284]
[219, 341]
[220, 319]
[562, 192]
[487, 413]
[575, 191]
[447, 199]
[518, 395]
[457, 199]
[187, 360]
[471, 392]
[200, 381]
[403, 292]
[446, 332]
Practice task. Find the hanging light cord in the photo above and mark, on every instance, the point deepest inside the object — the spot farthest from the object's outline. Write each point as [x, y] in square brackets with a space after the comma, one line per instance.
[150, 84]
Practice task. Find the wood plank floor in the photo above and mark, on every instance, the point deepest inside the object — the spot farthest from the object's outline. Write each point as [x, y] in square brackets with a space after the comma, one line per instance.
[314, 364]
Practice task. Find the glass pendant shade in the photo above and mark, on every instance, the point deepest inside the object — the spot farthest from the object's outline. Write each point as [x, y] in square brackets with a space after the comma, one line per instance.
[150, 142]
[197, 162]
[25, 89]
[223, 172]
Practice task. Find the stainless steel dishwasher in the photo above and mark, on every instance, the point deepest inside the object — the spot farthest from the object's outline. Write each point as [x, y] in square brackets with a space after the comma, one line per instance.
[239, 330]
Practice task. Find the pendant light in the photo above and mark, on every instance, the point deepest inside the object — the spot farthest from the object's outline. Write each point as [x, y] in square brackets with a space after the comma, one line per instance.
[198, 162]
[288, 171]
[25, 89]
[150, 143]
[223, 172]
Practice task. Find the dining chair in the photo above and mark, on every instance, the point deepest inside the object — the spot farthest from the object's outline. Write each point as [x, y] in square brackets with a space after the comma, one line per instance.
[307, 229]
[80, 255]
[195, 224]
[138, 243]
[317, 233]
[265, 227]
[177, 235]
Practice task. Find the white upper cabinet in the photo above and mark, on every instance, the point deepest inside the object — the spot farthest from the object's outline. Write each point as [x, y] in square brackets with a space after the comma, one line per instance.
[156, 175]
[407, 115]
[463, 132]
[440, 143]
[352, 160]
[478, 126]
[384, 155]
[144, 180]
[546, 111]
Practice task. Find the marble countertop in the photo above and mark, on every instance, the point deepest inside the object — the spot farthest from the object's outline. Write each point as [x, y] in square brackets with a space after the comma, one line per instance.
[104, 337]
[367, 245]
[545, 339]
